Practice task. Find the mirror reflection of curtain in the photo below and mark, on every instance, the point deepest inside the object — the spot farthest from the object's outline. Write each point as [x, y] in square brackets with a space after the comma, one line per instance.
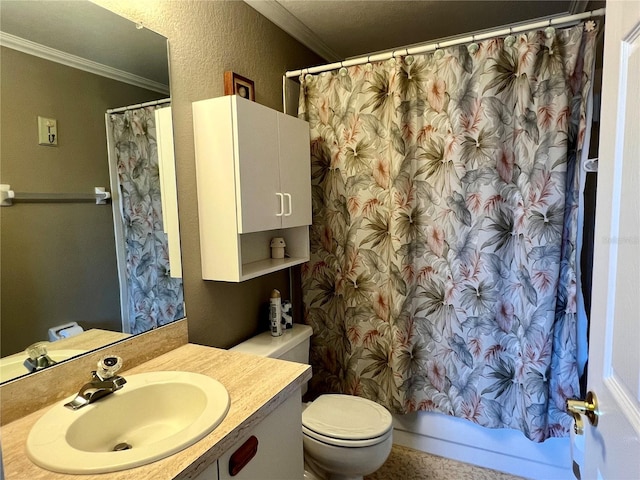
[443, 245]
[150, 296]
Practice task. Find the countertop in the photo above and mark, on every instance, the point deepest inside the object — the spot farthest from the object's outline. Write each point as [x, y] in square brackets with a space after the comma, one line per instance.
[255, 384]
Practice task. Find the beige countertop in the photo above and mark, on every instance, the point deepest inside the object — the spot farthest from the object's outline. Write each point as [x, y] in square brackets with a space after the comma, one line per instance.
[256, 386]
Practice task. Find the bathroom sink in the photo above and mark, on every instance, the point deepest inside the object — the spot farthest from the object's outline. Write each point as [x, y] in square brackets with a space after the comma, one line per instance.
[153, 416]
[13, 366]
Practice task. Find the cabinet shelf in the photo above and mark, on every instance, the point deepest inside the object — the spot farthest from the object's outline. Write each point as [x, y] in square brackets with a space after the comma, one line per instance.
[270, 265]
[256, 253]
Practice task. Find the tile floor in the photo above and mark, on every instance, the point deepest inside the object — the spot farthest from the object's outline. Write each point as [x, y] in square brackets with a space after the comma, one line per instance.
[408, 464]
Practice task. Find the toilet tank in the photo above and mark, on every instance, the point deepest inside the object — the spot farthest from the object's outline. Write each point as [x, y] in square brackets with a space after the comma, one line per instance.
[292, 345]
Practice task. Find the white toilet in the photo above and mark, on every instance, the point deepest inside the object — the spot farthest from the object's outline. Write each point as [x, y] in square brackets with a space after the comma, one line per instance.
[344, 437]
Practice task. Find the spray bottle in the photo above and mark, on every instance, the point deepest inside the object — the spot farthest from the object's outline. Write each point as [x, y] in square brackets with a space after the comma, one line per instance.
[275, 313]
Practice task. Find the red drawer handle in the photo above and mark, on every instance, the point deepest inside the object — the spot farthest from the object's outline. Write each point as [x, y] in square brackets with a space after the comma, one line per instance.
[243, 455]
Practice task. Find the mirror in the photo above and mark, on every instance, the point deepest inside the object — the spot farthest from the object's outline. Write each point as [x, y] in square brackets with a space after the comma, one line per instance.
[71, 61]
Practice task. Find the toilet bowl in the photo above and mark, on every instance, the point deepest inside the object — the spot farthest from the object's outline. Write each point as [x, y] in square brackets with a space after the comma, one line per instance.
[344, 437]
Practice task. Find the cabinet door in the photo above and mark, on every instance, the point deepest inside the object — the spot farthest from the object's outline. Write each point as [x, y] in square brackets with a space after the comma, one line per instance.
[209, 473]
[279, 447]
[257, 179]
[295, 170]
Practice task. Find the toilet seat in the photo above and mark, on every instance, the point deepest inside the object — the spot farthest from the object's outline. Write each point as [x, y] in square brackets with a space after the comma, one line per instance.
[337, 442]
[346, 421]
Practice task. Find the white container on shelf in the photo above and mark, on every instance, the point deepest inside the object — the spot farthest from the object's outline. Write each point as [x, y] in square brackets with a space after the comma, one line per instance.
[275, 313]
[277, 247]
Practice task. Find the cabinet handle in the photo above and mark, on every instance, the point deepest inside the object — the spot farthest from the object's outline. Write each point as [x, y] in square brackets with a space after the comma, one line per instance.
[243, 455]
[281, 204]
[288, 195]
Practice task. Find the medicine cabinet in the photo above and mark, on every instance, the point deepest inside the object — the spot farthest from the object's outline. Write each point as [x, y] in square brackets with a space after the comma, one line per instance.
[254, 183]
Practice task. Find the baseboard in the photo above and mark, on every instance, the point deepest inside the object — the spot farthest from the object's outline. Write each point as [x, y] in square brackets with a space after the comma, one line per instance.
[503, 450]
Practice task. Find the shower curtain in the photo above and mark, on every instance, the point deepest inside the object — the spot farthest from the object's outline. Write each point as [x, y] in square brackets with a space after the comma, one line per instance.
[154, 298]
[445, 190]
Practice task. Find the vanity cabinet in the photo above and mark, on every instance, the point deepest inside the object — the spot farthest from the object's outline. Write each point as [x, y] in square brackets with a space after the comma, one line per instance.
[277, 443]
[254, 183]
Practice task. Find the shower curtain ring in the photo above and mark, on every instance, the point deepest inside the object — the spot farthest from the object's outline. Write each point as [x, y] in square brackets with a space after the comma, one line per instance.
[510, 39]
[473, 46]
[549, 31]
[438, 54]
[343, 71]
[307, 76]
[408, 59]
[368, 67]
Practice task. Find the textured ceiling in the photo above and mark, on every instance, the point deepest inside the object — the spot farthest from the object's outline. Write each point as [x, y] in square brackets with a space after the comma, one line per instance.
[335, 29]
[348, 28]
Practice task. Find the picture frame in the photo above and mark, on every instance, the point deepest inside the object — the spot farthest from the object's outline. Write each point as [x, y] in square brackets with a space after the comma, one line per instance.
[235, 84]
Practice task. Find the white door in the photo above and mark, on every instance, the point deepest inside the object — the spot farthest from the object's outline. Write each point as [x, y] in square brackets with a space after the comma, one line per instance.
[612, 449]
[295, 170]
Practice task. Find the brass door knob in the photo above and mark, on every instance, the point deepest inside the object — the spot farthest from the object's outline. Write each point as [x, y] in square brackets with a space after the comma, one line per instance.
[587, 407]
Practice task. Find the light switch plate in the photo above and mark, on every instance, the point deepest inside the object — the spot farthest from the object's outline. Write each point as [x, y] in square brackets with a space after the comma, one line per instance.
[47, 131]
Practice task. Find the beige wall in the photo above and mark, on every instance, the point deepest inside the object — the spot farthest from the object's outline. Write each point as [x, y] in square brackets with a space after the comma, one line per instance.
[57, 260]
[205, 39]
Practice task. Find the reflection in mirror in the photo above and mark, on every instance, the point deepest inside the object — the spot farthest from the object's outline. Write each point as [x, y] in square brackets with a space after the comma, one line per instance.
[151, 291]
[61, 279]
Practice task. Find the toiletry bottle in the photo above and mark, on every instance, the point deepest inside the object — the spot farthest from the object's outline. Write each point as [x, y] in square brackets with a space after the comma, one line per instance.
[275, 313]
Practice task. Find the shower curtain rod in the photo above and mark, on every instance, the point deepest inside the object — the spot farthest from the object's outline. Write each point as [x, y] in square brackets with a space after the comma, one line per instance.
[559, 21]
[139, 105]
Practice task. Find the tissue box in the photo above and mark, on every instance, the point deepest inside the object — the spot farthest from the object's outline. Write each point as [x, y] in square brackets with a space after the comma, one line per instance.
[65, 331]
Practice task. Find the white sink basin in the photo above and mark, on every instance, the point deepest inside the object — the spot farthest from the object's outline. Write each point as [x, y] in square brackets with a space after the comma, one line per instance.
[13, 366]
[157, 414]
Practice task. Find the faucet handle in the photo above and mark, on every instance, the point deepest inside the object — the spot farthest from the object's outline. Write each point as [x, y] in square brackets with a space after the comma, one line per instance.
[36, 350]
[37, 357]
[109, 366]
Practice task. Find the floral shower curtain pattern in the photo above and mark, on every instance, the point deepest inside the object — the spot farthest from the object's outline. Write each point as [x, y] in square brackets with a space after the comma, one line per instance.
[445, 190]
[154, 297]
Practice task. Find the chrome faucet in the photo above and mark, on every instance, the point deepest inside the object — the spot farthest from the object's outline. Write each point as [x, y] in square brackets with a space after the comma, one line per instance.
[104, 381]
[38, 358]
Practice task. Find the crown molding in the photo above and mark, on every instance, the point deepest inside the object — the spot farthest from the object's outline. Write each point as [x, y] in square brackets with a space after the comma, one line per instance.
[48, 53]
[577, 6]
[276, 13]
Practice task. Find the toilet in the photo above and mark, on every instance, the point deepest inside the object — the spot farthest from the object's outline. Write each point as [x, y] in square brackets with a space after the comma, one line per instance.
[344, 437]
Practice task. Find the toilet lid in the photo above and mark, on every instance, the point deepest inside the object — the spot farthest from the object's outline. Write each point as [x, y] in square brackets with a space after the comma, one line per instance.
[346, 417]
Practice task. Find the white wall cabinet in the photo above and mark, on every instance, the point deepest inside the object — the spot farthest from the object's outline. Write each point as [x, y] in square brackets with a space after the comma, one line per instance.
[272, 450]
[254, 183]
